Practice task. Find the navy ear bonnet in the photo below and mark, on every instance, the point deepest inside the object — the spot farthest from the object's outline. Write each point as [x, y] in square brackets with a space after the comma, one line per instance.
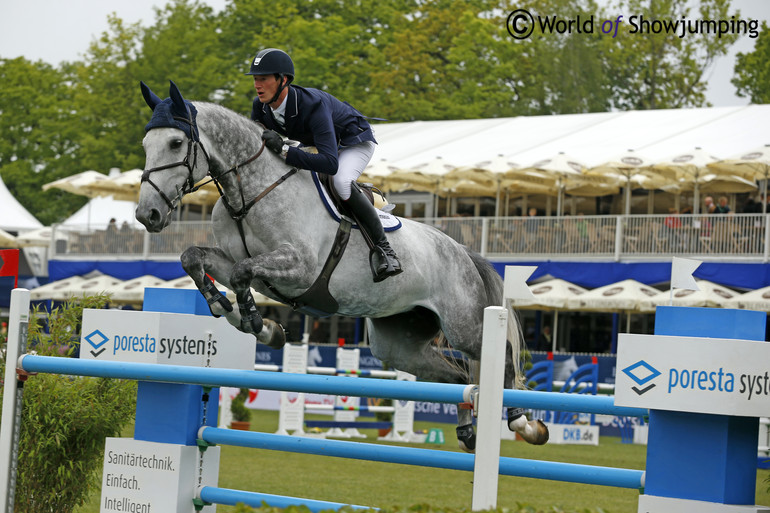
[173, 112]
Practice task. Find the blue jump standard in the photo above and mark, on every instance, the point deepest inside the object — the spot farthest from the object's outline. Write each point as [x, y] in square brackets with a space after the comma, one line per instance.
[715, 454]
[311, 383]
[557, 471]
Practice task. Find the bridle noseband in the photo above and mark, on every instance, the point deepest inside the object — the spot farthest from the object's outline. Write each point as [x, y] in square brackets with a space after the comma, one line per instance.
[192, 150]
[189, 186]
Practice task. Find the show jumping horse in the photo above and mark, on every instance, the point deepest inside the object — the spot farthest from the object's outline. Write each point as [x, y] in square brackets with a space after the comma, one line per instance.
[274, 234]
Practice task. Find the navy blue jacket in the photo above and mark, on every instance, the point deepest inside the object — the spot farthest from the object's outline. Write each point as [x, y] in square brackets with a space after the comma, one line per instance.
[316, 118]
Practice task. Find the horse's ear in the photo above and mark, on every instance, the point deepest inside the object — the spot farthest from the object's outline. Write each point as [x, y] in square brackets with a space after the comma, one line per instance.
[176, 98]
[149, 97]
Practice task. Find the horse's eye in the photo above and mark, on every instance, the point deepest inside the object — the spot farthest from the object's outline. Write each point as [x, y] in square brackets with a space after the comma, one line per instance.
[176, 144]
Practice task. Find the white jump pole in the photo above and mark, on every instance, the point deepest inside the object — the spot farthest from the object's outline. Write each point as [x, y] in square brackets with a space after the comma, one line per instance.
[490, 408]
[12, 395]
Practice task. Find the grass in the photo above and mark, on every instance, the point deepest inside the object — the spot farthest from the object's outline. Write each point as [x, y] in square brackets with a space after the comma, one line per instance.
[383, 484]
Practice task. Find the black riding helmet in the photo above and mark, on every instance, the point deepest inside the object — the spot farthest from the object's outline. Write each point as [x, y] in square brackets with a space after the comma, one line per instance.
[272, 61]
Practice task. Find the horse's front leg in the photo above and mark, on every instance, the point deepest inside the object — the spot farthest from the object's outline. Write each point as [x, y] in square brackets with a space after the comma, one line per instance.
[198, 262]
[284, 265]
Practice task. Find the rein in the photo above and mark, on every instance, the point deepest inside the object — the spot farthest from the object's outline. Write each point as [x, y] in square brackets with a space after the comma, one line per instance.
[189, 185]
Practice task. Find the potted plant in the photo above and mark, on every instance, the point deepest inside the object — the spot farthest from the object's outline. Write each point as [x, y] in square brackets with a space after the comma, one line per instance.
[241, 414]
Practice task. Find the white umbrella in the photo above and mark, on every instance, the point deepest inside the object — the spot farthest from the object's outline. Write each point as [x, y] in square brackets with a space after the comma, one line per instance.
[123, 186]
[497, 167]
[95, 285]
[79, 183]
[60, 290]
[550, 295]
[557, 169]
[710, 295]
[132, 291]
[689, 167]
[752, 165]
[40, 237]
[378, 172]
[633, 170]
[624, 296]
[758, 299]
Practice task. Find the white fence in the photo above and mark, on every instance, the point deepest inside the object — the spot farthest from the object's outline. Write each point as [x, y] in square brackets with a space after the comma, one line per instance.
[741, 236]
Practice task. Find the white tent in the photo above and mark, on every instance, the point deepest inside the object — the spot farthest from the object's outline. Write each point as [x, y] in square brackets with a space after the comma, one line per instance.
[590, 138]
[98, 212]
[13, 216]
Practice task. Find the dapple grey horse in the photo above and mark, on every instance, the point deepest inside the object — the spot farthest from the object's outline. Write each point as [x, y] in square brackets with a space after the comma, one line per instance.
[273, 233]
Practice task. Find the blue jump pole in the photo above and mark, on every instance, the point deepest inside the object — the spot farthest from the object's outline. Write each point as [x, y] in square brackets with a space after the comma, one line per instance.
[311, 383]
[603, 404]
[230, 497]
[557, 471]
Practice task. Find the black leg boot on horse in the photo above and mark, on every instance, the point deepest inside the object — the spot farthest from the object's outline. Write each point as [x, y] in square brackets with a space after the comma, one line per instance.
[382, 258]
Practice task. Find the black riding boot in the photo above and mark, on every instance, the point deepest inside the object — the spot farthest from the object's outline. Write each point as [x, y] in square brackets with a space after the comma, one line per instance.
[382, 258]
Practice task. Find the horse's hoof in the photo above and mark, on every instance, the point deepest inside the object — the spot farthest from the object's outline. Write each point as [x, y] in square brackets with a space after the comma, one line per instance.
[277, 335]
[533, 432]
[466, 438]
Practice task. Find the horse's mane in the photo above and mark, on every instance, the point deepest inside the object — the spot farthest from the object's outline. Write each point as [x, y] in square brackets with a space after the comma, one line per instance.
[218, 118]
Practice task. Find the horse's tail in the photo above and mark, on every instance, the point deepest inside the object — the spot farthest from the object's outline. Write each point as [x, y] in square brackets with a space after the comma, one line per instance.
[493, 284]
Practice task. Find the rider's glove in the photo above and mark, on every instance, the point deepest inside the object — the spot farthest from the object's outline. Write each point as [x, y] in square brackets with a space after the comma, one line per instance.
[273, 141]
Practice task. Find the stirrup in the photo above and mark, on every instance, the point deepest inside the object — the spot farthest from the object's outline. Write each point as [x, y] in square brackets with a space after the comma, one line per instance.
[386, 267]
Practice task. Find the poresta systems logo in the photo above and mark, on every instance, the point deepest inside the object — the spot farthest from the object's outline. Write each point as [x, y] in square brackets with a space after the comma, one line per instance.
[521, 24]
[704, 380]
[145, 343]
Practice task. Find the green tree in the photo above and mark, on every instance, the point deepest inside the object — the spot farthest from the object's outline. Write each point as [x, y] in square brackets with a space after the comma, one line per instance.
[664, 70]
[107, 99]
[65, 419]
[752, 70]
[40, 136]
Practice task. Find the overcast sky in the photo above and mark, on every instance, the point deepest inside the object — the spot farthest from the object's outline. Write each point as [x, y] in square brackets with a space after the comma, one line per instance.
[57, 30]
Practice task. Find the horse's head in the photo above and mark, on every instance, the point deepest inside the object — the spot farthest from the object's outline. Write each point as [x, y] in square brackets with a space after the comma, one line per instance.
[175, 160]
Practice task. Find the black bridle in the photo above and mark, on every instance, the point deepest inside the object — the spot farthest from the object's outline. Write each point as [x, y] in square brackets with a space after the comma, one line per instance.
[193, 143]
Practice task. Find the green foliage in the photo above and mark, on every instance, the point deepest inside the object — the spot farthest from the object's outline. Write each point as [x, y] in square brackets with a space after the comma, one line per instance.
[238, 406]
[396, 59]
[663, 71]
[752, 70]
[65, 419]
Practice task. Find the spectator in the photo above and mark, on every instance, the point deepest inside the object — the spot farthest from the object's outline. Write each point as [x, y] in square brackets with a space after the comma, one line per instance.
[710, 206]
[723, 207]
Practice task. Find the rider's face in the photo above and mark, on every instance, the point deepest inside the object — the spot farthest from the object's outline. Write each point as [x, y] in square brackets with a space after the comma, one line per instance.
[266, 86]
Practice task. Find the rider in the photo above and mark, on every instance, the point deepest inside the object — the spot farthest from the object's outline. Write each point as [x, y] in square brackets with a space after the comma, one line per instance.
[344, 140]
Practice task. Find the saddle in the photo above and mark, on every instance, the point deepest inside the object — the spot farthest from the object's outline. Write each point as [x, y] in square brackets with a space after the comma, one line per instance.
[317, 301]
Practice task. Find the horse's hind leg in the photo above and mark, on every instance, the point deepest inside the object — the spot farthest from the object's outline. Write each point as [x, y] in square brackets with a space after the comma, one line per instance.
[465, 335]
[200, 261]
[405, 341]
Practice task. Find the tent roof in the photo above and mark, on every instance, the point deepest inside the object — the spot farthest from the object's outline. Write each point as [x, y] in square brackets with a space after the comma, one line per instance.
[99, 211]
[13, 216]
[590, 138]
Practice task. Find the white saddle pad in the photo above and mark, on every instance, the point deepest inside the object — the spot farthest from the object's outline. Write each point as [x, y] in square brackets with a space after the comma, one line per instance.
[389, 221]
